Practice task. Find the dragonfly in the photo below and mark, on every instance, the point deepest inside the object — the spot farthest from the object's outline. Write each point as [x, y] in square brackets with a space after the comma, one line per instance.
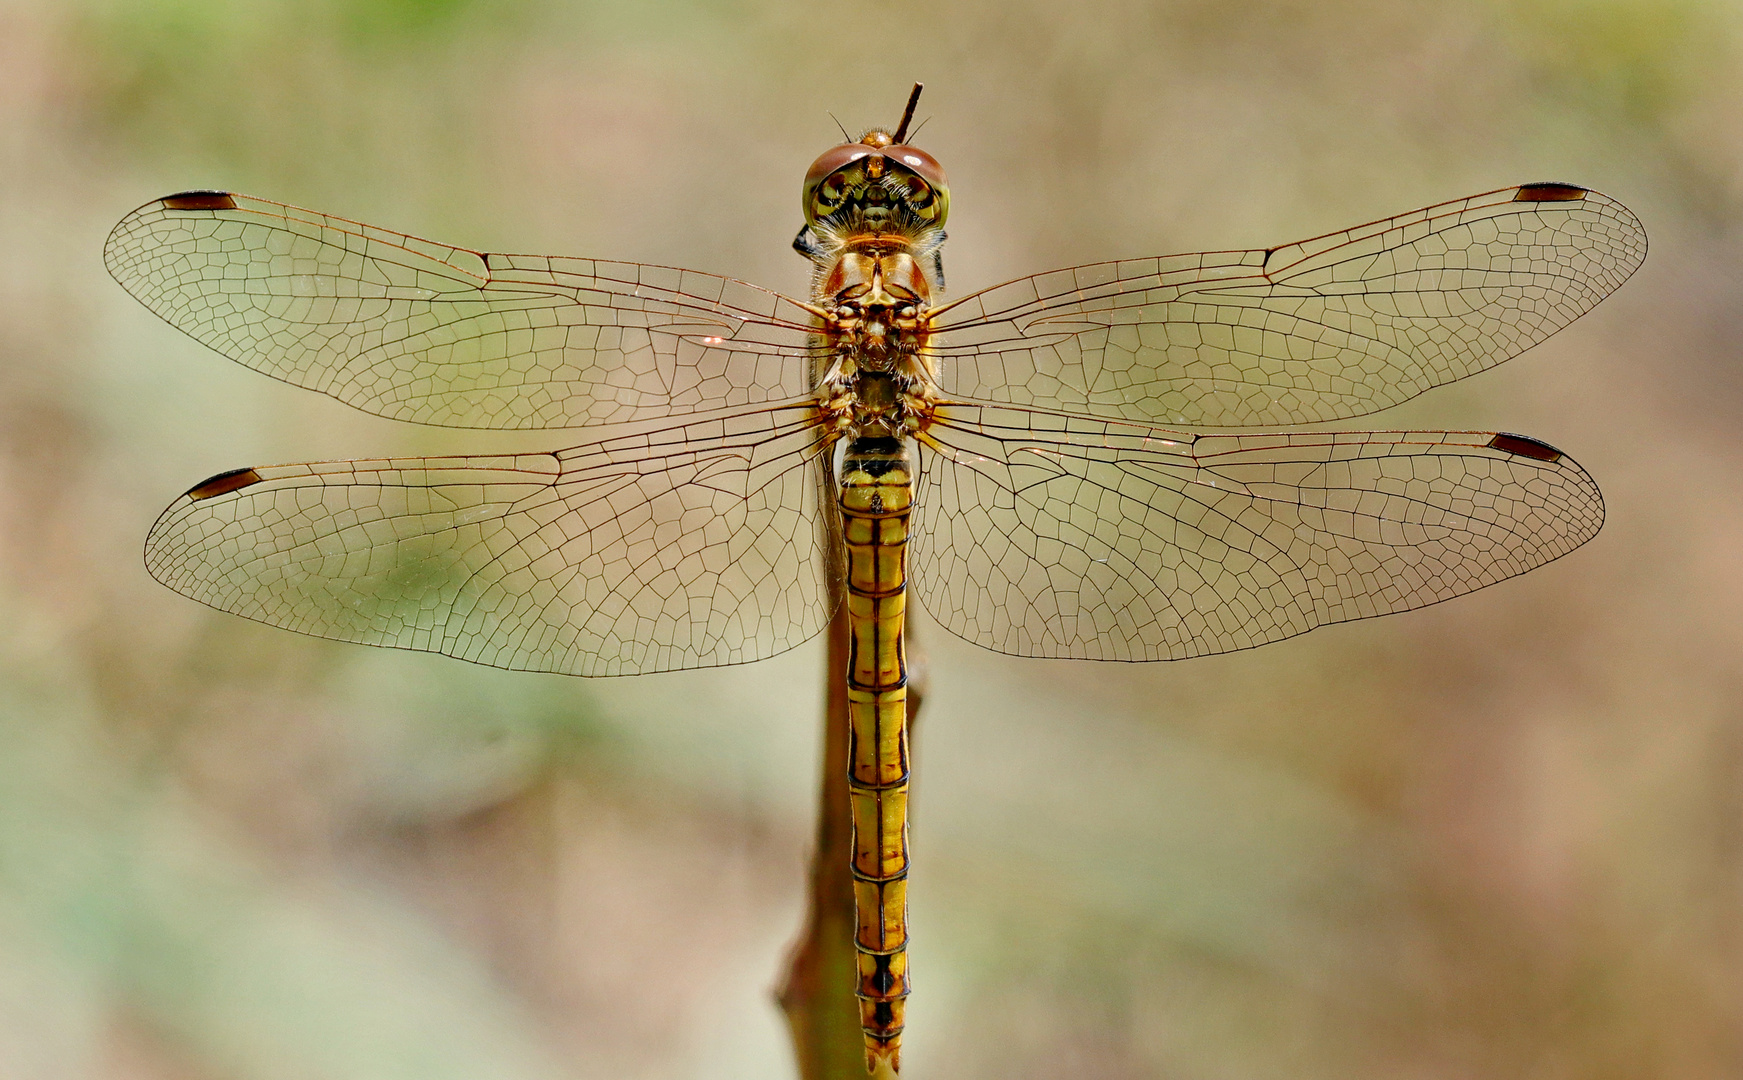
[1077, 464]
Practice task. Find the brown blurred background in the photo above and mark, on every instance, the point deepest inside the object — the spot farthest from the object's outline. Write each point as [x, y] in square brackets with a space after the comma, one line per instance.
[1500, 838]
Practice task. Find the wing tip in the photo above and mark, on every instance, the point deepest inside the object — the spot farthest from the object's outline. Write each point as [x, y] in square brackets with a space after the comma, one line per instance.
[1524, 446]
[199, 200]
[118, 247]
[223, 484]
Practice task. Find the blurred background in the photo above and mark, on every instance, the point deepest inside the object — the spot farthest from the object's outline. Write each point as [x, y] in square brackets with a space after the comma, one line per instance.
[1498, 838]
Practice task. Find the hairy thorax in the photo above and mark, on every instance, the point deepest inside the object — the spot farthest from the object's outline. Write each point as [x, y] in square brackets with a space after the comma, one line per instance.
[879, 377]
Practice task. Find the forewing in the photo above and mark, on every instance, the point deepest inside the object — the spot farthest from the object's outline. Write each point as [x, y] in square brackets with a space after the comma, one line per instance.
[1046, 535]
[414, 330]
[1337, 326]
[693, 547]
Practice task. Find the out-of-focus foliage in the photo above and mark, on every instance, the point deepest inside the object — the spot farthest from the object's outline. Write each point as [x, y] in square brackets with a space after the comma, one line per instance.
[1495, 839]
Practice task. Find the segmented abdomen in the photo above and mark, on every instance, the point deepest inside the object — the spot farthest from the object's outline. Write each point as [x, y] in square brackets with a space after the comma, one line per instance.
[876, 494]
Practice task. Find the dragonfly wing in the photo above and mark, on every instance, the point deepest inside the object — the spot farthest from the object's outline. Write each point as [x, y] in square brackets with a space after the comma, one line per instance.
[1337, 326]
[1047, 535]
[692, 547]
[414, 330]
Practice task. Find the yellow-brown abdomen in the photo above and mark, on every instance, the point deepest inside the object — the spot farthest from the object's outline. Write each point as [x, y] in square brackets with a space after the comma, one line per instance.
[876, 495]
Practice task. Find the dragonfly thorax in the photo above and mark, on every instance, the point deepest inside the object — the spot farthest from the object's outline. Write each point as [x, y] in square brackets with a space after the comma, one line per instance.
[876, 300]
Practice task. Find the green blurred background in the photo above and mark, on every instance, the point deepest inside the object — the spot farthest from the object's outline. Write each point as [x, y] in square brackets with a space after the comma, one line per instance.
[1498, 838]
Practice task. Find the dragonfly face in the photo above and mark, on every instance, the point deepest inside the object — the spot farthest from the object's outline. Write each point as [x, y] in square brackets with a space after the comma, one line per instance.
[1025, 454]
[876, 182]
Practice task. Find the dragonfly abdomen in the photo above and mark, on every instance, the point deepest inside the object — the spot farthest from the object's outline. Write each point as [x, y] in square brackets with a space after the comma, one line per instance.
[876, 495]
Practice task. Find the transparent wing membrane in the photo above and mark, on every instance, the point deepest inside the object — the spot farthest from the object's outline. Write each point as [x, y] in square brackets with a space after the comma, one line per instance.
[1051, 519]
[1337, 326]
[414, 330]
[693, 546]
[1041, 534]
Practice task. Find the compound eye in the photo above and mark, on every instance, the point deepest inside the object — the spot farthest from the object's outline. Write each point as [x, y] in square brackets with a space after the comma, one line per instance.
[925, 202]
[831, 191]
[916, 192]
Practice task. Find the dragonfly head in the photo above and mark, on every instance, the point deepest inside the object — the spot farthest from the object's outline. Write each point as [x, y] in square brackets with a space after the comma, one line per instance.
[876, 195]
[876, 181]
